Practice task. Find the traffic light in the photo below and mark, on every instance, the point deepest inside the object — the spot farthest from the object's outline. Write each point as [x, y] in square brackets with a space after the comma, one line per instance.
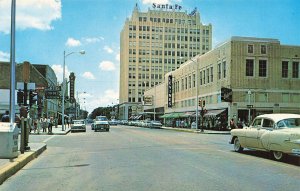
[20, 97]
[203, 103]
[200, 103]
[226, 94]
[32, 98]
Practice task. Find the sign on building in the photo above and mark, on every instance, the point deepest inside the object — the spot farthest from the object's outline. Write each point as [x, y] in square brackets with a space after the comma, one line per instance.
[72, 86]
[148, 100]
[170, 91]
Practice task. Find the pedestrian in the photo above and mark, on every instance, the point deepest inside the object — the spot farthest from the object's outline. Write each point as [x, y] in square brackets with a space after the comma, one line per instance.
[5, 117]
[232, 124]
[44, 124]
[50, 123]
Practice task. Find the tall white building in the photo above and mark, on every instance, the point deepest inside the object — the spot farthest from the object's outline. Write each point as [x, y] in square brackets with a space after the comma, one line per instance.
[154, 43]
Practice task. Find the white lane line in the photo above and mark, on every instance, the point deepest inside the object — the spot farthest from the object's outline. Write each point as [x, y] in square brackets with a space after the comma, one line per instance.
[46, 140]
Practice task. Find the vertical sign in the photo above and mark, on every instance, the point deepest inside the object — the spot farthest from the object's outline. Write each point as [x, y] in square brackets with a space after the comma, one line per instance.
[170, 91]
[72, 86]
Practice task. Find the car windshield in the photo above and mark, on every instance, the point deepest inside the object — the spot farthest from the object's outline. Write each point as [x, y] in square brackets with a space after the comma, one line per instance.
[289, 123]
[101, 118]
[78, 122]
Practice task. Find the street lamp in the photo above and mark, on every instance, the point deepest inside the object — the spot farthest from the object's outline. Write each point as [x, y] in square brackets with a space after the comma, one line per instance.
[63, 87]
[197, 96]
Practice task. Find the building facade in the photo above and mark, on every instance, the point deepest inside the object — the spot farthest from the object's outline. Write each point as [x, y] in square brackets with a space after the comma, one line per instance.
[42, 76]
[262, 75]
[154, 43]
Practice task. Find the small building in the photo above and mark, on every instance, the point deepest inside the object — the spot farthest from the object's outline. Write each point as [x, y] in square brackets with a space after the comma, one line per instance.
[256, 76]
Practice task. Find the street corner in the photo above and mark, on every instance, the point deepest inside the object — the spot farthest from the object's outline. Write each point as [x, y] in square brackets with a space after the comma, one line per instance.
[14, 165]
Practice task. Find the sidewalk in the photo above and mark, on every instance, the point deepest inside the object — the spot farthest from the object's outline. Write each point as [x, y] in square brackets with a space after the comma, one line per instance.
[9, 167]
[197, 131]
[55, 131]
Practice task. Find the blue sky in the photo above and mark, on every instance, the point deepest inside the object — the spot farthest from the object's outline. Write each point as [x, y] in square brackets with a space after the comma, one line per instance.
[45, 28]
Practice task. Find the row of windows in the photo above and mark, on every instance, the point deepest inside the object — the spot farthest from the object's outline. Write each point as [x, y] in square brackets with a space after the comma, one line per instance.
[167, 20]
[256, 97]
[169, 29]
[206, 76]
[285, 69]
[169, 37]
[263, 49]
[262, 68]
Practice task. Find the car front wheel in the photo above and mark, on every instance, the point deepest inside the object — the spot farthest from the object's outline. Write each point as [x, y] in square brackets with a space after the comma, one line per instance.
[236, 145]
[278, 155]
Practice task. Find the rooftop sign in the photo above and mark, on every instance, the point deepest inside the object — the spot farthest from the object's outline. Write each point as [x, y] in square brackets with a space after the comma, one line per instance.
[166, 6]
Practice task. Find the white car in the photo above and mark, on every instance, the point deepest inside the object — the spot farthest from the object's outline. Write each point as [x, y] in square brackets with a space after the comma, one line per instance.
[78, 125]
[275, 133]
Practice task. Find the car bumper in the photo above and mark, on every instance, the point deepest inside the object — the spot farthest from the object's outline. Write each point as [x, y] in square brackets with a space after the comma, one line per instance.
[296, 152]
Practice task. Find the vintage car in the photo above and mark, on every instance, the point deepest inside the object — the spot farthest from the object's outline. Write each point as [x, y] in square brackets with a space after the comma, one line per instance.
[275, 133]
[101, 126]
[155, 124]
[78, 125]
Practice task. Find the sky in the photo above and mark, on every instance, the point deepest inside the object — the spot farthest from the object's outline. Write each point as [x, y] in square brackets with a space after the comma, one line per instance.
[47, 28]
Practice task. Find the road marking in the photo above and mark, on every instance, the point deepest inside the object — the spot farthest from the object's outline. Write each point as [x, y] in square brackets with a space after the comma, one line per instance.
[46, 140]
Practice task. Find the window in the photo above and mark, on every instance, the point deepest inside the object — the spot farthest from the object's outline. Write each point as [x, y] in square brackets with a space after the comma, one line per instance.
[256, 123]
[250, 48]
[207, 73]
[194, 80]
[211, 74]
[249, 67]
[201, 78]
[219, 71]
[262, 68]
[295, 69]
[267, 123]
[224, 69]
[263, 49]
[284, 69]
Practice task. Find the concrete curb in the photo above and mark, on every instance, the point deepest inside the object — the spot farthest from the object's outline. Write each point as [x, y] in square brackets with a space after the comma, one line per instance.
[10, 169]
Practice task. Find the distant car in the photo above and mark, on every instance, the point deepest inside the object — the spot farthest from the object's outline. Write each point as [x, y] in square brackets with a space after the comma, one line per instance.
[275, 133]
[98, 118]
[113, 122]
[155, 124]
[78, 125]
[101, 126]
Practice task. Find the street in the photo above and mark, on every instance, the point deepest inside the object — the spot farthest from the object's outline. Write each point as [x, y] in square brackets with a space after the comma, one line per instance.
[133, 158]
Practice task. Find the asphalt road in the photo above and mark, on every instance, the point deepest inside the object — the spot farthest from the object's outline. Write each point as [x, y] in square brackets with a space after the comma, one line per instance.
[132, 158]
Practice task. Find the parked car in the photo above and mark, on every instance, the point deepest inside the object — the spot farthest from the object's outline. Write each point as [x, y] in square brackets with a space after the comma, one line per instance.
[113, 122]
[78, 125]
[155, 124]
[275, 133]
[101, 126]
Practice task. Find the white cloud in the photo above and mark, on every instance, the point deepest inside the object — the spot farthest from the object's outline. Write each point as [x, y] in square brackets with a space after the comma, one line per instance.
[118, 57]
[107, 66]
[93, 39]
[71, 42]
[36, 14]
[109, 98]
[58, 69]
[4, 56]
[88, 75]
[108, 49]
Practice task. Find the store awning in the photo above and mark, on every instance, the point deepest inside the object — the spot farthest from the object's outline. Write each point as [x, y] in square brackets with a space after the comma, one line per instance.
[166, 115]
[188, 114]
[213, 113]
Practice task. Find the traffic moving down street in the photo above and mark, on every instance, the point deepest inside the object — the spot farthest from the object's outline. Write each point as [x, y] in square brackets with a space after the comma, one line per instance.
[134, 158]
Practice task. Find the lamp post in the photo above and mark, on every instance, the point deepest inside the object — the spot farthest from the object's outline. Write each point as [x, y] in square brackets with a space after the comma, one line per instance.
[197, 98]
[63, 87]
[12, 63]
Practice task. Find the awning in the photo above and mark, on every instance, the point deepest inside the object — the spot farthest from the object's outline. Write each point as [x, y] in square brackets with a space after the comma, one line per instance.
[188, 114]
[213, 113]
[138, 117]
[166, 115]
